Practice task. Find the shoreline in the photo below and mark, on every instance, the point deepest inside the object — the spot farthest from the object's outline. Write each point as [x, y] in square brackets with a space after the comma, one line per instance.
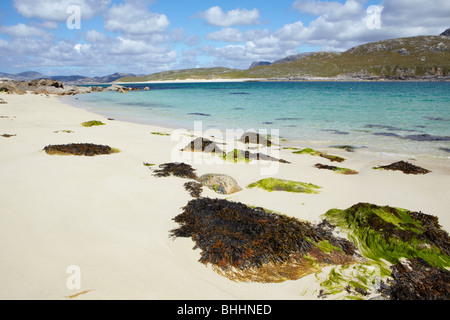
[311, 79]
[111, 217]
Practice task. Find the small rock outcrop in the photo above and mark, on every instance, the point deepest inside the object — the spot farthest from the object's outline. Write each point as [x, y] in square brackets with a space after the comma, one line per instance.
[41, 86]
[203, 145]
[446, 33]
[255, 138]
[220, 183]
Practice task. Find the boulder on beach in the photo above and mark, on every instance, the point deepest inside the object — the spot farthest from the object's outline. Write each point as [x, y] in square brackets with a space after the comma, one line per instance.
[220, 183]
[118, 88]
[255, 138]
[203, 145]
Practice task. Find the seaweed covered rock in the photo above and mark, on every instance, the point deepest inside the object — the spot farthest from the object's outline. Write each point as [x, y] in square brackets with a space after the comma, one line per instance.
[177, 169]
[336, 169]
[415, 279]
[318, 153]
[383, 232]
[404, 167]
[194, 188]
[274, 184]
[254, 244]
[255, 138]
[203, 145]
[79, 149]
[220, 183]
[92, 123]
[246, 156]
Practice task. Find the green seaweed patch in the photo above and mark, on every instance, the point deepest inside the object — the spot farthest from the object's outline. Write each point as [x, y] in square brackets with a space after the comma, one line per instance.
[320, 154]
[92, 123]
[274, 184]
[148, 164]
[160, 133]
[65, 131]
[236, 156]
[390, 234]
[326, 246]
[338, 170]
[351, 282]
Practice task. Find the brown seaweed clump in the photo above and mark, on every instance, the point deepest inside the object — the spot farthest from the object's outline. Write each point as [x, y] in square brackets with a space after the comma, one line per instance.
[254, 244]
[79, 149]
[415, 279]
[339, 170]
[176, 169]
[405, 167]
[195, 189]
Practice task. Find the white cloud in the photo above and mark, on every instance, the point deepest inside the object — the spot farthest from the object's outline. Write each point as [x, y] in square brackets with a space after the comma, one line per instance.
[134, 18]
[216, 17]
[93, 36]
[57, 10]
[316, 7]
[22, 31]
[227, 35]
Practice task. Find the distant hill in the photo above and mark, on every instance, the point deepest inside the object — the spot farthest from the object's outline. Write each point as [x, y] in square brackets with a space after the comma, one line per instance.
[422, 57]
[74, 80]
[71, 80]
[25, 76]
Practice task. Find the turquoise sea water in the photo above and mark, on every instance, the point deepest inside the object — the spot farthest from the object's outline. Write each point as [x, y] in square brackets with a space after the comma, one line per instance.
[411, 118]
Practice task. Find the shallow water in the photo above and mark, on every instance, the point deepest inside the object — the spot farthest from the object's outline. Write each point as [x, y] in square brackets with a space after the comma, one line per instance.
[410, 118]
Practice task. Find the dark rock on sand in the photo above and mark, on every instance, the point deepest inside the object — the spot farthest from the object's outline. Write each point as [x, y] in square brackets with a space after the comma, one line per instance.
[405, 167]
[79, 149]
[203, 145]
[256, 138]
[8, 135]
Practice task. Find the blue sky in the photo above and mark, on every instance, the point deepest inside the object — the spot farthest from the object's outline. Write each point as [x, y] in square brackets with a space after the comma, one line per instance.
[147, 36]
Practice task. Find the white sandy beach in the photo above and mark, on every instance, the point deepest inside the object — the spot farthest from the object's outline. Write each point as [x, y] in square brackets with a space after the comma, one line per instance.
[111, 217]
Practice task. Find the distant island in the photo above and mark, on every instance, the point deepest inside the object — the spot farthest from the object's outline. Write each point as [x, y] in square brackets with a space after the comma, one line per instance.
[414, 58]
